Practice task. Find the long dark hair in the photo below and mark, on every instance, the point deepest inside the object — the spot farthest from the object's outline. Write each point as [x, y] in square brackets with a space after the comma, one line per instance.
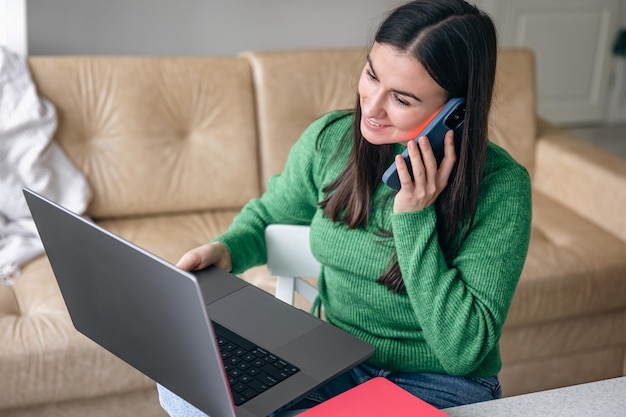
[457, 44]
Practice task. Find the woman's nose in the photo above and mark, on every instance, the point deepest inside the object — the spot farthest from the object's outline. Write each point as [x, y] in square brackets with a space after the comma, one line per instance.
[374, 104]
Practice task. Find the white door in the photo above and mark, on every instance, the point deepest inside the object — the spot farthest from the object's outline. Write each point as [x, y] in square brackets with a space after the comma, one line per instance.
[572, 41]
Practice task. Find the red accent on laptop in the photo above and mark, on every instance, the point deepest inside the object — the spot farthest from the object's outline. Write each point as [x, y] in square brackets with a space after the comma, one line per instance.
[377, 397]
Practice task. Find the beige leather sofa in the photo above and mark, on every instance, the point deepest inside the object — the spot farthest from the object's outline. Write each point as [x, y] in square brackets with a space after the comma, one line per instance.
[174, 147]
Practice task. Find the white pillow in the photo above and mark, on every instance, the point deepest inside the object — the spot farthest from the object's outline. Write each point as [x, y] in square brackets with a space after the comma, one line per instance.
[30, 158]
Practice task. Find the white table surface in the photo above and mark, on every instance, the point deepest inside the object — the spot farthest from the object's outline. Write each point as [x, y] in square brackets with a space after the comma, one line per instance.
[605, 398]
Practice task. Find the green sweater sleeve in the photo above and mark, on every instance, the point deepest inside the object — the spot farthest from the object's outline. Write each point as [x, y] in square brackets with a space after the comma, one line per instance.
[461, 307]
[291, 198]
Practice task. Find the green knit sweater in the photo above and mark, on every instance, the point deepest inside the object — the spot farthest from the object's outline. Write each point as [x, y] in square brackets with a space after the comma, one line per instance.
[451, 317]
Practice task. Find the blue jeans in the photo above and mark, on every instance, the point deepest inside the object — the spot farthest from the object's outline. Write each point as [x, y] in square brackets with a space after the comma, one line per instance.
[440, 390]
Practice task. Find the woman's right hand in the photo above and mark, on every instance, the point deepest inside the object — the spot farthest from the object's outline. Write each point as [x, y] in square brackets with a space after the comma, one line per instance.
[214, 253]
[428, 180]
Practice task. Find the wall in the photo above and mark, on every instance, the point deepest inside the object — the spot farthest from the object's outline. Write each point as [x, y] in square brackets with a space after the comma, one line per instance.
[198, 27]
[226, 27]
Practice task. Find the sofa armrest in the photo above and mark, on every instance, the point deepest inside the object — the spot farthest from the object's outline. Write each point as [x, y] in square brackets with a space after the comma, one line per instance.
[589, 181]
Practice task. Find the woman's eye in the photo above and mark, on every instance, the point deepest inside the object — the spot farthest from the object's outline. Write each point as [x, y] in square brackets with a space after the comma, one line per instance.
[370, 75]
[401, 101]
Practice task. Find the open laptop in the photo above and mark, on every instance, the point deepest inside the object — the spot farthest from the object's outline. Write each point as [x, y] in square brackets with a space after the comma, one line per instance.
[202, 335]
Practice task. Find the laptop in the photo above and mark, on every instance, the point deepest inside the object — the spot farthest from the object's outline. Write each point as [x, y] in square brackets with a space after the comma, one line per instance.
[222, 344]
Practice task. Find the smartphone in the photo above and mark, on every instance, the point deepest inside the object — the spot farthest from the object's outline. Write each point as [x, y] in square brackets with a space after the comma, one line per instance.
[448, 117]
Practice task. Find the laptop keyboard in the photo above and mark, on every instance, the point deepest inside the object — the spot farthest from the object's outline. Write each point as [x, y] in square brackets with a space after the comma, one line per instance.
[250, 368]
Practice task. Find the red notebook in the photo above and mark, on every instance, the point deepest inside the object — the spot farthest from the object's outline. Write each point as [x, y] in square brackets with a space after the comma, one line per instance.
[377, 397]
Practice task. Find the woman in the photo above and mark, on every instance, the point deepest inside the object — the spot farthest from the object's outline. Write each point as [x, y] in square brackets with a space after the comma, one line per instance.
[426, 274]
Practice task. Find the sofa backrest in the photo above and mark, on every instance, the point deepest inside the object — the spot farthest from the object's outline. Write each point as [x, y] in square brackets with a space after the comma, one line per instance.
[513, 117]
[136, 125]
[293, 88]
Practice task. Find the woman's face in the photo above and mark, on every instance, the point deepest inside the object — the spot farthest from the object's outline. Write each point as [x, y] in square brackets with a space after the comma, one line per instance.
[397, 95]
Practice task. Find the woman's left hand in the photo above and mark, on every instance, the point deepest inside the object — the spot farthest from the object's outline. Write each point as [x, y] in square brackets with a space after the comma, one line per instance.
[428, 182]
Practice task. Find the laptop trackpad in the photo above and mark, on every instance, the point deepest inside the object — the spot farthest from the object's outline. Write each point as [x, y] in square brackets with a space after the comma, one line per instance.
[261, 318]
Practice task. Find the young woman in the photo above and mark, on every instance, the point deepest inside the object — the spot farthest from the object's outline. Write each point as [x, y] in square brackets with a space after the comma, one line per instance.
[426, 274]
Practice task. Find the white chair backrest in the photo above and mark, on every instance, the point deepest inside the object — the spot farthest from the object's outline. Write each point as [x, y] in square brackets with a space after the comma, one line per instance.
[289, 258]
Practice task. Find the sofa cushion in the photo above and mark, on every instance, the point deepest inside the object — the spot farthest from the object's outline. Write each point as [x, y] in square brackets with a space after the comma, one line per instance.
[561, 371]
[293, 88]
[140, 403]
[573, 268]
[512, 121]
[135, 125]
[586, 333]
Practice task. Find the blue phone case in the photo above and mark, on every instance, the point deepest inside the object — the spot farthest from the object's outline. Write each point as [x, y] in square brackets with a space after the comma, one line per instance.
[450, 116]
